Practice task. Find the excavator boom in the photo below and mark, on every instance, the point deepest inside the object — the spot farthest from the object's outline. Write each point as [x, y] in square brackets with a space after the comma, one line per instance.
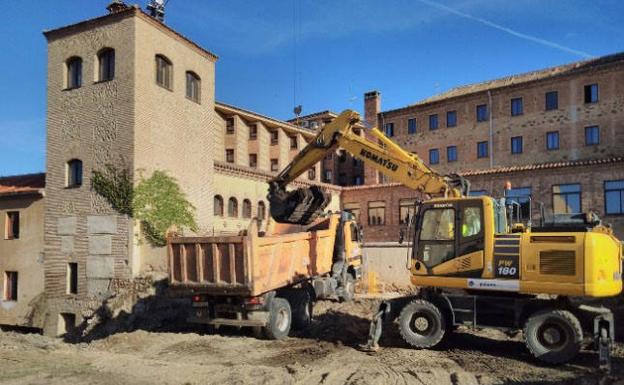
[303, 205]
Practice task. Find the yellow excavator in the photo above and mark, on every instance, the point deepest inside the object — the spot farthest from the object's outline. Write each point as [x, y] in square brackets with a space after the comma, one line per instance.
[471, 263]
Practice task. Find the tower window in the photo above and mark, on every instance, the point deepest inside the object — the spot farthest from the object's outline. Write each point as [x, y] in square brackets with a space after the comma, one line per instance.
[74, 173]
[218, 206]
[106, 64]
[10, 285]
[193, 84]
[164, 72]
[74, 72]
[12, 225]
[72, 278]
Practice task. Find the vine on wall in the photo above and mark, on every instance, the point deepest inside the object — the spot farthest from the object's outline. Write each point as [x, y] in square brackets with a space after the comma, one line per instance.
[157, 202]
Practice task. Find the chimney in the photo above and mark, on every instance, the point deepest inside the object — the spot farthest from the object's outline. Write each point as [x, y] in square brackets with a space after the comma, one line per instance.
[116, 6]
[372, 107]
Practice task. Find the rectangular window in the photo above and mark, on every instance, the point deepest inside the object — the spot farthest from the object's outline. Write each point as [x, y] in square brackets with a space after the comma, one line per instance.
[274, 136]
[253, 160]
[592, 135]
[482, 113]
[10, 285]
[353, 208]
[519, 198]
[72, 278]
[482, 149]
[312, 173]
[552, 100]
[591, 93]
[433, 122]
[229, 155]
[389, 129]
[327, 175]
[229, 125]
[163, 72]
[552, 140]
[451, 118]
[516, 107]
[567, 198]
[293, 143]
[614, 197]
[407, 208]
[377, 213]
[253, 131]
[274, 165]
[434, 156]
[516, 145]
[411, 126]
[193, 87]
[451, 153]
[12, 225]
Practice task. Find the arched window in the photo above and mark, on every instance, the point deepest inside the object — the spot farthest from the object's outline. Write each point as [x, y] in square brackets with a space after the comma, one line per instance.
[218, 205]
[73, 171]
[233, 207]
[74, 72]
[106, 64]
[193, 84]
[261, 211]
[246, 208]
[164, 72]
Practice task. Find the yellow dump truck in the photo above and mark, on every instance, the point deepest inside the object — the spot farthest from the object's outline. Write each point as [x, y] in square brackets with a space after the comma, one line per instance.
[267, 280]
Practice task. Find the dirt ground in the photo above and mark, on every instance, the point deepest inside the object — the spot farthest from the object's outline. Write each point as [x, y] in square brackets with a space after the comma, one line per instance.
[327, 353]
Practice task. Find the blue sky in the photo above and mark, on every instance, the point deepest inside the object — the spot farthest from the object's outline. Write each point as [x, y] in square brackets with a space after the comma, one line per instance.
[407, 49]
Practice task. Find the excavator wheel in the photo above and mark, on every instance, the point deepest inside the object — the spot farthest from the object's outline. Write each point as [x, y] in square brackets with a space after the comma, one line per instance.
[553, 336]
[421, 324]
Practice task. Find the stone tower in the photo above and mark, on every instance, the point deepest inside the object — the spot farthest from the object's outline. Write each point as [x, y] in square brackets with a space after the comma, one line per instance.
[125, 90]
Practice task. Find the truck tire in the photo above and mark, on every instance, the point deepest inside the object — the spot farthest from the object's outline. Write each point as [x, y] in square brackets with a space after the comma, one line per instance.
[347, 291]
[301, 305]
[553, 336]
[280, 319]
[421, 324]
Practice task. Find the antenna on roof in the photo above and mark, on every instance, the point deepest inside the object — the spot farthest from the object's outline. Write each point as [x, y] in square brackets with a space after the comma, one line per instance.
[116, 6]
[156, 9]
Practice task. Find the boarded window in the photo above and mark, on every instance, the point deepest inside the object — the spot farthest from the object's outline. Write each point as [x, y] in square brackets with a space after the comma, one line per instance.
[12, 225]
[10, 285]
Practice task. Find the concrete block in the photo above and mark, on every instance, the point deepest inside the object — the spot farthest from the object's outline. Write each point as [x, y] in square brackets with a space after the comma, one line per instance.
[100, 244]
[100, 267]
[66, 226]
[98, 287]
[102, 224]
[67, 244]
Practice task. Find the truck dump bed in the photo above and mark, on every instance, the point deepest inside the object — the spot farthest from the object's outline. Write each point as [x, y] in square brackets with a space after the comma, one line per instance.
[250, 265]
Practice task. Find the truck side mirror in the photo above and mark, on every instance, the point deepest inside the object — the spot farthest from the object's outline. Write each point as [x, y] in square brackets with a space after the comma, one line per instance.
[401, 236]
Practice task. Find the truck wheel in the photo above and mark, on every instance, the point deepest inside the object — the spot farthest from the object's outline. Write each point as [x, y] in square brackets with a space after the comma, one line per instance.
[553, 336]
[302, 306]
[347, 291]
[421, 324]
[280, 319]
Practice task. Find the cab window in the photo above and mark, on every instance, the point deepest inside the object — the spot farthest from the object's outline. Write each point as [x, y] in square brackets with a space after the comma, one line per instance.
[471, 221]
[438, 225]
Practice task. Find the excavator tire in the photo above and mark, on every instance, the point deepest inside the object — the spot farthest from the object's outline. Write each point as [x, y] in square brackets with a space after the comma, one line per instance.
[421, 324]
[553, 336]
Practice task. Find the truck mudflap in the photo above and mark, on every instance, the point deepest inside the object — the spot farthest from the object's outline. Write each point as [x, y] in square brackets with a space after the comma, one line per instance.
[388, 311]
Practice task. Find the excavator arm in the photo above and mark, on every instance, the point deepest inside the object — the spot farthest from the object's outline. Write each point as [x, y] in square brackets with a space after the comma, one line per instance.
[303, 205]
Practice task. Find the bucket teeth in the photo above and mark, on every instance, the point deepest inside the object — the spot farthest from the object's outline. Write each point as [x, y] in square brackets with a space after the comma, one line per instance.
[301, 206]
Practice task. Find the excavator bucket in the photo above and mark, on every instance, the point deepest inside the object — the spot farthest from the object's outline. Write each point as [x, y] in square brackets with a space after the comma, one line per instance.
[300, 206]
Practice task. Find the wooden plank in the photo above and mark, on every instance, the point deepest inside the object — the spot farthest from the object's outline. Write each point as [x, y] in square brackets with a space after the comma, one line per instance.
[170, 262]
[216, 239]
[232, 255]
[199, 262]
[216, 268]
[183, 262]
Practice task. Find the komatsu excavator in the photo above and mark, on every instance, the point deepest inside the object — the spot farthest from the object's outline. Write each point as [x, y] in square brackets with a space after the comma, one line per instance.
[473, 266]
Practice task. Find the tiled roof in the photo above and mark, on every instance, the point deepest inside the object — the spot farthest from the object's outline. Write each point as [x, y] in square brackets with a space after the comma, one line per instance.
[329, 113]
[22, 184]
[131, 10]
[542, 166]
[562, 70]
